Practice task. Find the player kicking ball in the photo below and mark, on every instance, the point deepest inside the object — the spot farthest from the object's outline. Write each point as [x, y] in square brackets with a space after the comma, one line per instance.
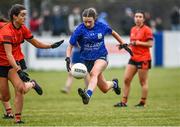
[89, 35]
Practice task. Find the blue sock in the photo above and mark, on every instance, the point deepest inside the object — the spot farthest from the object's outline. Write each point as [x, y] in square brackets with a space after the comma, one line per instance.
[114, 84]
[89, 93]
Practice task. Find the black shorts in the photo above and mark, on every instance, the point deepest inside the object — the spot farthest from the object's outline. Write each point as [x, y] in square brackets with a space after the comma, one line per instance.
[5, 69]
[141, 65]
[90, 63]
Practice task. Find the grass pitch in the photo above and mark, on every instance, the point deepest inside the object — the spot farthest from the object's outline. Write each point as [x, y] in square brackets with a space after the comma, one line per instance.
[54, 108]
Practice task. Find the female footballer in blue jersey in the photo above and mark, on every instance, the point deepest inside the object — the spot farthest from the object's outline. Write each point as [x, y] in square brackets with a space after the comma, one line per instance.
[89, 35]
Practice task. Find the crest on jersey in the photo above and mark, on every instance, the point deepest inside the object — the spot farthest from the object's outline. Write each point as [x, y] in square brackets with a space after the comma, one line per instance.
[99, 35]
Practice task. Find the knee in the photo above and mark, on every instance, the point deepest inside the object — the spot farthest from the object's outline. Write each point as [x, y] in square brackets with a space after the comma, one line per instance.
[127, 81]
[21, 89]
[143, 83]
[6, 98]
[93, 74]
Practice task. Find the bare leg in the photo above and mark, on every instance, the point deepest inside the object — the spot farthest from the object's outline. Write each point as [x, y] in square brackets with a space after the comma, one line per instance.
[6, 104]
[4, 89]
[86, 80]
[104, 85]
[99, 67]
[5, 97]
[68, 85]
[8, 109]
[130, 71]
[143, 78]
[20, 89]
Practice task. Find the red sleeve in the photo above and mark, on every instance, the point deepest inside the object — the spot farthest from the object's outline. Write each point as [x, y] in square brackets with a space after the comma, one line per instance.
[27, 33]
[5, 36]
[149, 34]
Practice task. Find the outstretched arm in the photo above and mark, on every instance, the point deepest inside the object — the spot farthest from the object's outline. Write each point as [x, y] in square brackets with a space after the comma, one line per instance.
[39, 44]
[117, 37]
[122, 43]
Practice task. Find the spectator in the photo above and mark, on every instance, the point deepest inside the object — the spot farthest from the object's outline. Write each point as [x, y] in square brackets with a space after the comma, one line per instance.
[175, 18]
[148, 18]
[74, 19]
[159, 26]
[64, 20]
[127, 22]
[56, 21]
[46, 20]
[59, 21]
[103, 18]
[35, 23]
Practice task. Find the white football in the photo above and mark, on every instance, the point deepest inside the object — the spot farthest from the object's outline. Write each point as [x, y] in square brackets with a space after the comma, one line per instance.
[79, 70]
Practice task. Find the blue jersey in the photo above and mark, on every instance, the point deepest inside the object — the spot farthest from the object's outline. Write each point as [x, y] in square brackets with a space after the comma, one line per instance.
[91, 41]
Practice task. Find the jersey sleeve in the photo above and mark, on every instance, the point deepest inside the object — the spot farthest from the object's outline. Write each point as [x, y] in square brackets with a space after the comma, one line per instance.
[107, 29]
[75, 36]
[6, 37]
[27, 33]
[149, 34]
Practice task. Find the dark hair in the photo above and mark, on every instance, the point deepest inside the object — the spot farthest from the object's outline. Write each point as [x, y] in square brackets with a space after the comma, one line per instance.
[15, 10]
[90, 12]
[140, 11]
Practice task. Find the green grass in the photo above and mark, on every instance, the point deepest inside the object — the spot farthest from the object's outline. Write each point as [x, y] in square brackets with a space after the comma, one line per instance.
[55, 108]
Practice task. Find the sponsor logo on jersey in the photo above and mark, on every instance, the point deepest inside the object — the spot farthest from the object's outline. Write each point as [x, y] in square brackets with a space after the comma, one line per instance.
[99, 35]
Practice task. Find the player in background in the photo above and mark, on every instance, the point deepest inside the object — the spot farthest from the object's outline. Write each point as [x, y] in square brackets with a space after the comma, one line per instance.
[74, 59]
[12, 35]
[89, 35]
[74, 20]
[141, 40]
